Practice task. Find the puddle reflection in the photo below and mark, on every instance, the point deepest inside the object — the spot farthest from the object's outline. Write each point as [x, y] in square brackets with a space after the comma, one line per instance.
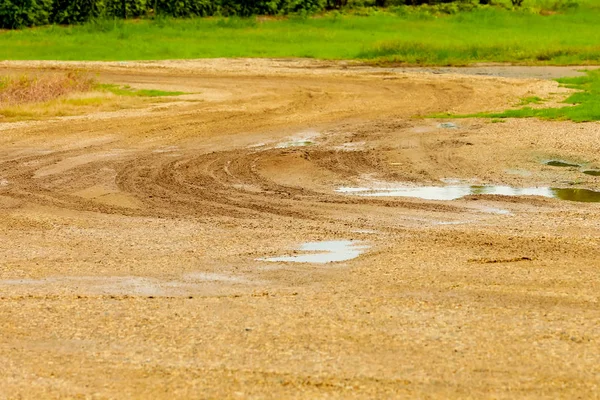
[453, 192]
[324, 252]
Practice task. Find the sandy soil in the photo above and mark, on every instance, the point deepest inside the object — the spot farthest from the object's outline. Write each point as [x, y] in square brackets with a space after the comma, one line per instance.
[133, 242]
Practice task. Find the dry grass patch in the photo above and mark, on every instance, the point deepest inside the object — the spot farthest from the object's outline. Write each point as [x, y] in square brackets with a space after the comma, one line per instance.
[43, 96]
[72, 105]
[26, 89]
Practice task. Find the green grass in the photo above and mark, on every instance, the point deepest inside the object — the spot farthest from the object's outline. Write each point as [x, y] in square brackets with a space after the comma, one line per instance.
[530, 100]
[129, 91]
[582, 106]
[417, 38]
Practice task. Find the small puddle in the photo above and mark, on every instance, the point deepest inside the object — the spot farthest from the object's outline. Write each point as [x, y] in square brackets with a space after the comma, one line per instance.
[560, 163]
[448, 125]
[303, 140]
[592, 172]
[324, 252]
[295, 143]
[453, 192]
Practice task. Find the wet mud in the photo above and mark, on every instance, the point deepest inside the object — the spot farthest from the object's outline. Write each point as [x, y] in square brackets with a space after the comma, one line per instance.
[158, 253]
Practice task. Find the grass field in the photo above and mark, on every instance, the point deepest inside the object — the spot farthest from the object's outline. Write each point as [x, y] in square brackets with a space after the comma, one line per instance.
[483, 35]
[582, 106]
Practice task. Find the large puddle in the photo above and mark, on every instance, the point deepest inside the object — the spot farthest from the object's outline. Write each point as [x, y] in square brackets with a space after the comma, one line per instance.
[453, 192]
[561, 163]
[592, 172]
[324, 252]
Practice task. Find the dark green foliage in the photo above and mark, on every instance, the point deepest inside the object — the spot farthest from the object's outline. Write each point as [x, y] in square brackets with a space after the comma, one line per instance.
[299, 6]
[336, 3]
[246, 8]
[20, 13]
[124, 8]
[74, 11]
[183, 8]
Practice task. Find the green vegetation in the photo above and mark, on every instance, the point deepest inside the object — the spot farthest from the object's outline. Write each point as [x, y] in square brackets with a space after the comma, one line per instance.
[127, 90]
[582, 106]
[530, 100]
[440, 35]
[19, 13]
[58, 94]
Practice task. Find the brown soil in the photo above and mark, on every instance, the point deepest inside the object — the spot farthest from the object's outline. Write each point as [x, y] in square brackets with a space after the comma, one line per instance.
[131, 241]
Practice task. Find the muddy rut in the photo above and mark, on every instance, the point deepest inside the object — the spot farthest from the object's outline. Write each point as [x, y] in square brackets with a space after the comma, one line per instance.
[136, 243]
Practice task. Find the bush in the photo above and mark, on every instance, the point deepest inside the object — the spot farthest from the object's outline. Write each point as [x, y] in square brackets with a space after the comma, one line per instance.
[20, 13]
[246, 8]
[74, 11]
[124, 8]
[301, 6]
[184, 8]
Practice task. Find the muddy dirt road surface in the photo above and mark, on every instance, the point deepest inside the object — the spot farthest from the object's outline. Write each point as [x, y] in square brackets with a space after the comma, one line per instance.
[136, 245]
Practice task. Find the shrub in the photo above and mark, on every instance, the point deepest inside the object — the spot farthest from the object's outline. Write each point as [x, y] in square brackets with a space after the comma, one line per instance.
[124, 8]
[301, 6]
[74, 11]
[19, 13]
[183, 8]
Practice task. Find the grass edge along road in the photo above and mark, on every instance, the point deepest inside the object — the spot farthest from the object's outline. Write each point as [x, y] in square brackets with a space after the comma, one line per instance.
[27, 97]
[581, 106]
[416, 37]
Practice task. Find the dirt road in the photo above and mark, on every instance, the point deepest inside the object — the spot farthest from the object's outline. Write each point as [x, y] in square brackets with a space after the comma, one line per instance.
[135, 244]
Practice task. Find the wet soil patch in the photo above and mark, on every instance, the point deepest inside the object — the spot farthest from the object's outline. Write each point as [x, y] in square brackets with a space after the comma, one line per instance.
[453, 192]
[560, 163]
[324, 252]
[592, 172]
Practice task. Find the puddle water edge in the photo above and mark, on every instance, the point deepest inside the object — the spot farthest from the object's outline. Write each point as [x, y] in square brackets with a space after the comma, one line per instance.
[324, 252]
[453, 192]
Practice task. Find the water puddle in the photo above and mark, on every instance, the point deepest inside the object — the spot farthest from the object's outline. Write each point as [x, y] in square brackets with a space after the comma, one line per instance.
[448, 125]
[592, 172]
[560, 163]
[581, 195]
[295, 143]
[302, 140]
[493, 210]
[453, 192]
[324, 252]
